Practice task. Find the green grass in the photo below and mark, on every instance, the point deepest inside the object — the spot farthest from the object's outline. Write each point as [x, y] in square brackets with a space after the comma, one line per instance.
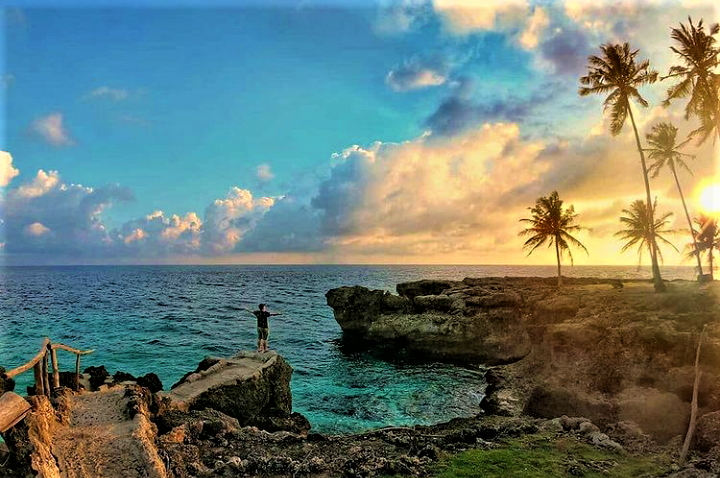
[541, 456]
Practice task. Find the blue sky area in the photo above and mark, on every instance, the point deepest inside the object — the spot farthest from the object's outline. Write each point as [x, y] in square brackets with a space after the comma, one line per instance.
[168, 106]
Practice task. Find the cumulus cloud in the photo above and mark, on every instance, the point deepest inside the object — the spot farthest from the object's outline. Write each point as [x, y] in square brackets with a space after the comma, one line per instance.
[7, 171]
[115, 94]
[467, 16]
[228, 219]
[416, 74]
[71, 213]
[50, 128]
[264, 172]
[36, 229]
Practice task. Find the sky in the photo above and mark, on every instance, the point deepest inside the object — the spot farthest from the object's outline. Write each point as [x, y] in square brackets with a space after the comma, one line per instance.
[297, 131]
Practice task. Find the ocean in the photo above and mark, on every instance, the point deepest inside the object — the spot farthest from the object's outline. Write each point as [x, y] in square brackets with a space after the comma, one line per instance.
[165, 319]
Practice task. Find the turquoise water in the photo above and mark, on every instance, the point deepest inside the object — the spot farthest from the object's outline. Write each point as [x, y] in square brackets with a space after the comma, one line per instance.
[165, 319]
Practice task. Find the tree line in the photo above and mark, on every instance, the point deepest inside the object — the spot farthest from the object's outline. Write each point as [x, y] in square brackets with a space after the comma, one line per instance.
[617, 73]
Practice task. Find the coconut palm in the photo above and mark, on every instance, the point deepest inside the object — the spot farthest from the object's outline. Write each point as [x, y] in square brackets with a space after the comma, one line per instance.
[665, 152]
[617, 73]
[641, 232]
[551, 224]
[696, 76]
[707, 233]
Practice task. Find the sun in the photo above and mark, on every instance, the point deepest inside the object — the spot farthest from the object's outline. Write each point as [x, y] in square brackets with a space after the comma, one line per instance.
[710, 199]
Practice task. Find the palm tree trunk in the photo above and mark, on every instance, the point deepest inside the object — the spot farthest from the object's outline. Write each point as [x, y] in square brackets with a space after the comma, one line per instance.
[657, 280]
[694, 403]
[557, 253]
[687, 215]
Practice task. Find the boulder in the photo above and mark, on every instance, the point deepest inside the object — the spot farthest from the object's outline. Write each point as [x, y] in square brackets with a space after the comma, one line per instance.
[6, 384]
[98, 375]
[151, 382]
[249, 387]
[707, 433]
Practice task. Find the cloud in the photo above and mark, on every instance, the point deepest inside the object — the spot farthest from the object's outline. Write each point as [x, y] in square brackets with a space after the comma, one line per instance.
[459, 111]
[51, 129]
[427, 190]
[468, 16]
[416, 74]
[7, 171]
[401, 16]
[535, 26]
[264, 172]
[71, 212]
[289, 226]
[565, 51]
[228, 219]
[115, 94]
[36, 229]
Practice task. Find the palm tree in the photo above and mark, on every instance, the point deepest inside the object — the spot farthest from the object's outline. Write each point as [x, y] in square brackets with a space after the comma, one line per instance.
[641, 231]
[552, 224]
[617, 73]
[697, 79]
[664, 152]
[707, 232]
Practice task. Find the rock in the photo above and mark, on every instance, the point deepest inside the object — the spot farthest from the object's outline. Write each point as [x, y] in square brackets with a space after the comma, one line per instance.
[150, 381]
[98, 375]
[123, 377]
[556, 309]
[69, 380]
[708, 431]
[587, 428]
[252, 388]
[440, 320]
[550, 401]
[204, 365]
[601, 440]
[661, 414]
[6, 384]
[424, 288]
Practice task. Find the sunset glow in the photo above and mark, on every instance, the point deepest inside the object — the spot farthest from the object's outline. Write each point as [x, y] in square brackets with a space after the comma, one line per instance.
[710, 199]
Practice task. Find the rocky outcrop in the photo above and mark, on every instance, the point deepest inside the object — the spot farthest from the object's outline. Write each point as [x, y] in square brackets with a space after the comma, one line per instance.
[251, 388]
[443, 320]
[611, 351]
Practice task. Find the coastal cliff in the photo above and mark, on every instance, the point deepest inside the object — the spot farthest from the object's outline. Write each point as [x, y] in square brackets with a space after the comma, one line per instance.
[596, 348]
[442, 320]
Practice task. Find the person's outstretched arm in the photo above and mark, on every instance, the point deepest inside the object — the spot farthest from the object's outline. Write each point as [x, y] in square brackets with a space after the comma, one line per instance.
[276, 313]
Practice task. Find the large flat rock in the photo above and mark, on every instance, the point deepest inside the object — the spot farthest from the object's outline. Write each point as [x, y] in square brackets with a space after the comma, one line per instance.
[245, 386]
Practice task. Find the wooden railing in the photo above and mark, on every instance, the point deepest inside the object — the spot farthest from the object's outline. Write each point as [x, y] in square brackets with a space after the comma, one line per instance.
[40, 366]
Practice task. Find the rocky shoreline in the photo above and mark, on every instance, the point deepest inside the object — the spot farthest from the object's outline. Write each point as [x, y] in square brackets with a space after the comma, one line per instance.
[599, 363]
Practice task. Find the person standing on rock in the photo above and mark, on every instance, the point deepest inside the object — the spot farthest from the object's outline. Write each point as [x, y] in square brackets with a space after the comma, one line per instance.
[263, 327]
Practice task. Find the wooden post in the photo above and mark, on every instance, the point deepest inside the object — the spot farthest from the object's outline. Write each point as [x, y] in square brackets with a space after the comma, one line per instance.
[46, 381]
[77, 371]
[39, 387]
[55, 369]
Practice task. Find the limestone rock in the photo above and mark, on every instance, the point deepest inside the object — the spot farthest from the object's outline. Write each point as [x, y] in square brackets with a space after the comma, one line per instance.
[441, 320]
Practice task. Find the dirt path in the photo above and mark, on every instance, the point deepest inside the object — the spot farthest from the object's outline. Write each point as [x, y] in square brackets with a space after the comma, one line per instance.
[103, 442]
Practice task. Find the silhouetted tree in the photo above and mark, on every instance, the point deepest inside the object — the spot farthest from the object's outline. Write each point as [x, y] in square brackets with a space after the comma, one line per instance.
[696, 76]
[664, 152]
[617, 74]
[551, 224]
[707, 233]
[641, 231]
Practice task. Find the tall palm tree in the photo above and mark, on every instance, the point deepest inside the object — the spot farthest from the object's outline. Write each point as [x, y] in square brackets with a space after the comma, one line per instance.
[616, 72]
[641, 231]
[696, 76]
[552, 224]
[665, 152]
[707, 232]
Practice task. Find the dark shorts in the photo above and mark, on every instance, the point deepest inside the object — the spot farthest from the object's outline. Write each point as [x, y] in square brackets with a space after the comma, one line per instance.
[263, 333]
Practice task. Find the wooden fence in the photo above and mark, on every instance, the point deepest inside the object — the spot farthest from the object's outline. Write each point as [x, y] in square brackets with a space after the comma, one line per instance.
[39, 364]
